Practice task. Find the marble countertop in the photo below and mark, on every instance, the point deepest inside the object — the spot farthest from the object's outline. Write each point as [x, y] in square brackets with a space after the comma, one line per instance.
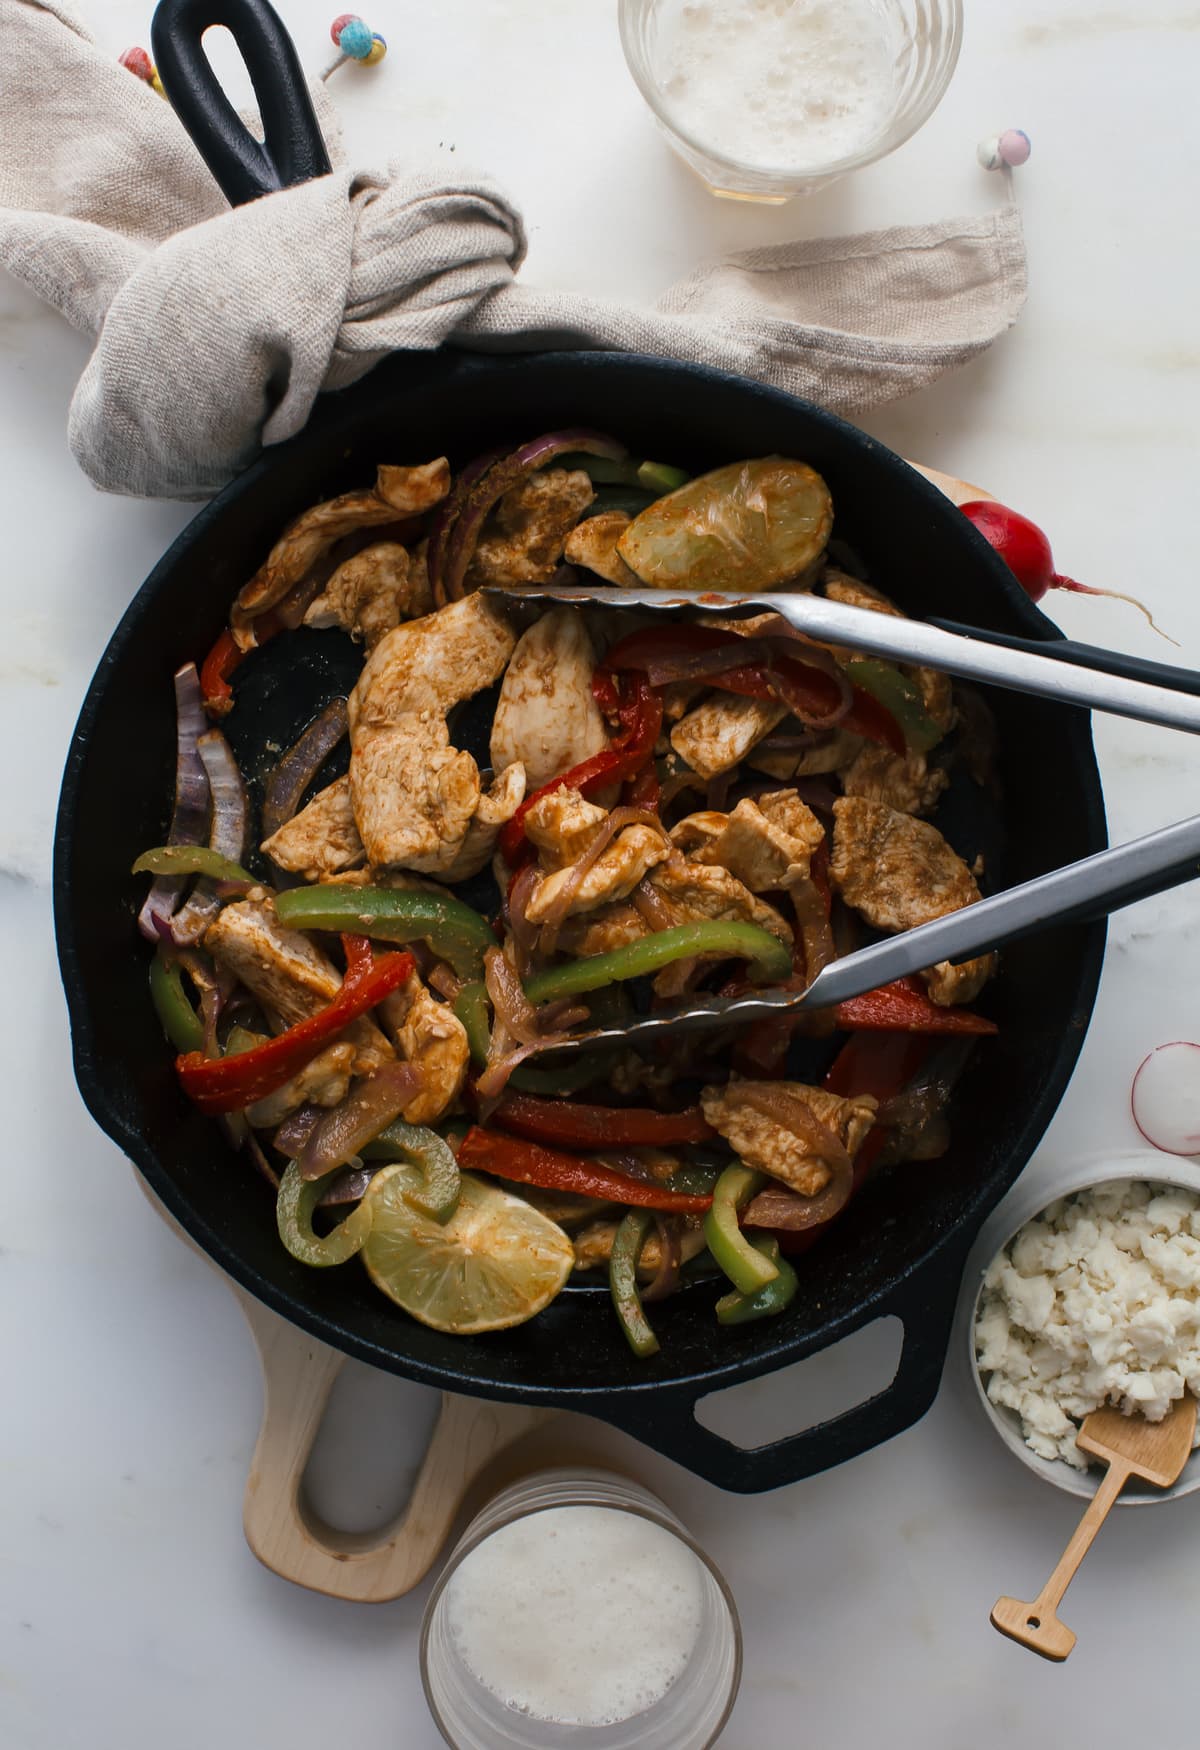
[131, 1613]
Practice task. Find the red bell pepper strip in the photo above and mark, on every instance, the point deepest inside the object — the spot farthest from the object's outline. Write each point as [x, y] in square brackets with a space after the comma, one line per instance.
[904, 1007]
[227, 1084]
[581, 1126]
[219, 664]
[624, 757]
[811, 686]
[528, 1164]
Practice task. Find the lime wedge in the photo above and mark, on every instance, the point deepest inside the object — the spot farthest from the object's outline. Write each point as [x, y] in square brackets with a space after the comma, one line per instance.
[496, 1262]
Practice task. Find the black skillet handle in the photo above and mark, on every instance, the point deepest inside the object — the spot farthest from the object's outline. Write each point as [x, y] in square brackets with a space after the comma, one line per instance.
[664, 1417]
[292, 150]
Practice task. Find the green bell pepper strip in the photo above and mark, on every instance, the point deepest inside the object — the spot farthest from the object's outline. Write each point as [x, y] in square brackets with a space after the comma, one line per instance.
[742, 1262]
[656, 477]
[294, 1206]
[900, 698]
[471, 1007]
[770, 961]
[190, 860]
[631, 1235]
[740, 1309]
[436, 1193]
[179, 1020]
[456, 934]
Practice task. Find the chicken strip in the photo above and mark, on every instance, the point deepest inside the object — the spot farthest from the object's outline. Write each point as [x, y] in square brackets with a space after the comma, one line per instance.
[322, 839]
[372, 592]
[546, 716]
[694, 891]
[767, 844]
[770, 1147]
[899, 872]
[593, 544]
[397, 493]
[935, 687]
[562, 826]
[902, 781]
[432, 664]
[594, 1244]
[524, 539]
[324, 1081]
[721, 731]
[495, 807]
[429, 1034]
[614, 875]
[287, 973]
[602, 930]
[414, 795]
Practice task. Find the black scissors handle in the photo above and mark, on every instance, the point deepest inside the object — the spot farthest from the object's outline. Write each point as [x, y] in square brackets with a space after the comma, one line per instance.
[292, 149]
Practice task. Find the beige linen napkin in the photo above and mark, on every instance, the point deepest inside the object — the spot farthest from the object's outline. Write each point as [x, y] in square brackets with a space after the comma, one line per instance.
[216, 329]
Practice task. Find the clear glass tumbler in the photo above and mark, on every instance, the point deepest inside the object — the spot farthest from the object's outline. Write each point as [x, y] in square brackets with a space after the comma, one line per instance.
[689, 1715]
[829, 87]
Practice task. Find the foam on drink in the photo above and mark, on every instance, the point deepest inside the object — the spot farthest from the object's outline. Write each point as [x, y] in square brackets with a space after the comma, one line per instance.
[776, 84]
[582, 1616]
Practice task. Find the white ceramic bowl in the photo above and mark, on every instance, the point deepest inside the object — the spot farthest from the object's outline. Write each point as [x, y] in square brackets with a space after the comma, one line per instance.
[1033, 1193]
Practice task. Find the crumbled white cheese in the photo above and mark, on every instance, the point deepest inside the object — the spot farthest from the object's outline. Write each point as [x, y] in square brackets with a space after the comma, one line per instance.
[1096, 1301]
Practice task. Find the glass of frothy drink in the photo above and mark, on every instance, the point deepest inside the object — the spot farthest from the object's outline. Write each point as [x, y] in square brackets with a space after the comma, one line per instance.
[766, 99]
[576, 1610]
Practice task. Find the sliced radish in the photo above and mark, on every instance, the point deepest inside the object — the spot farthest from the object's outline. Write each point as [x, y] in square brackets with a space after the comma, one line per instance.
[1165, 1099]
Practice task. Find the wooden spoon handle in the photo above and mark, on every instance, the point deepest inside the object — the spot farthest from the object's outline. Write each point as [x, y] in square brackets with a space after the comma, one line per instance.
[281, 1526]
[1036, 1625]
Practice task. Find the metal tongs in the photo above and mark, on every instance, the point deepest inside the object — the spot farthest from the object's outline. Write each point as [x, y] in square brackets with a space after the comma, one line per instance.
[1076, 674]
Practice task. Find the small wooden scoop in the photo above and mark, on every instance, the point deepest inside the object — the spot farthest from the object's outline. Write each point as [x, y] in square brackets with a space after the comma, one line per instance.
[1132, 1447]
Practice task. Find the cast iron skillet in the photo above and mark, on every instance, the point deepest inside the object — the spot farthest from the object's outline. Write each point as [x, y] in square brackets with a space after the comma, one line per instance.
[901, 1246]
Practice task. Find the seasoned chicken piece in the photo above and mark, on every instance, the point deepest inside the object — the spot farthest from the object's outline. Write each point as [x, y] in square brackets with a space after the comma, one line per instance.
[372, 592]
[721, 731]
[322, 839]
[696, 890]
[770, 1147]
[288, 974]
[614, 875]
[398, 492]
[432, 664]
[594, 1244]
[524, 539]
[496, 806]
[935, 688]
[562, 826]
[678, 697]
[322, 1082]
[414, 795]
[767, 844]
[899, 872]
[902, 781]
[829, 752]
[546, 716]
[430, 1034]
[600, 931]
[593, 544]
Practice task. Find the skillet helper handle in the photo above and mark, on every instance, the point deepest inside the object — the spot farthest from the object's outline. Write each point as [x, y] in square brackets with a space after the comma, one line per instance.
[292, 150]
[1036, 1625]
[280, 1524]
[664, 1417]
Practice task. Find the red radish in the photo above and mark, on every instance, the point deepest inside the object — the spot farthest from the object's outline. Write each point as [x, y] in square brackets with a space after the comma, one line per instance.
[1165, 1099]
[1026, 551]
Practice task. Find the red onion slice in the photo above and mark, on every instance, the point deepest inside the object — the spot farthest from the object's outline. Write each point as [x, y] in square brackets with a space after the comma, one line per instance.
[300, 765]
[788, 1110]
[1165, 1098]
[603, 837]
[189, 817]
[500, 478]
[666, 1278]
[695, 665]
[368, 1108]
[513, 1010]
[779, 1207]
[446, 516]
[227, 833]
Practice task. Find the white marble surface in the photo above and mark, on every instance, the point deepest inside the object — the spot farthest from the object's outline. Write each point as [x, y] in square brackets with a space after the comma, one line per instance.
[131, 1613]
